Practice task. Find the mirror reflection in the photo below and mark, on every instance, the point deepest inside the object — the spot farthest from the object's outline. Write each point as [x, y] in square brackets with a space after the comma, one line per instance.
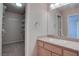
[63, 20]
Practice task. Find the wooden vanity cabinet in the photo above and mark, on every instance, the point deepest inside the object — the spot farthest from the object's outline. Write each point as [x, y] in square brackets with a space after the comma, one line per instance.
[67, 52]
[53, 54]
[40, 43]
[47, 49]
[43, 52]
[53, 48]
[78, 53]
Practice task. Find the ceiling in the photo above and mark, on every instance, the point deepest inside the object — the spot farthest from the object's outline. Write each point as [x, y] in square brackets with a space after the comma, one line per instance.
[13, 8]
[63, 7]
[68, 6]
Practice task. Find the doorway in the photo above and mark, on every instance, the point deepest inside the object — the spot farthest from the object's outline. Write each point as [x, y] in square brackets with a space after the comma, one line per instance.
[13, 30]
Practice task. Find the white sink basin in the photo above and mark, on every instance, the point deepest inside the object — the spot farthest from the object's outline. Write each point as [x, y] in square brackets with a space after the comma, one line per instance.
[61, 41]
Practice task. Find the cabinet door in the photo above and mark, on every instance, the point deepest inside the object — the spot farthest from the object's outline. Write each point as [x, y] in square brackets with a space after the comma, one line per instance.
[40, 43]
[78, 53]
[53, 48]
[43, 52]
[69, 53]
[53, 54]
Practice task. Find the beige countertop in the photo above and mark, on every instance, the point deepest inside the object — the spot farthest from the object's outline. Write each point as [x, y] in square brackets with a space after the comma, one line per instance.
[65, 43]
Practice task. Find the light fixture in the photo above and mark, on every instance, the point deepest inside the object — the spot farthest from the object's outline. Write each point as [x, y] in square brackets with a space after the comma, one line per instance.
[19, 4]
[56, 5]
[52, 6]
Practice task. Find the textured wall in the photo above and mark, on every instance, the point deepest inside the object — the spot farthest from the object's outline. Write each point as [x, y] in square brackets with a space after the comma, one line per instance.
[53, 22]
[36, 25]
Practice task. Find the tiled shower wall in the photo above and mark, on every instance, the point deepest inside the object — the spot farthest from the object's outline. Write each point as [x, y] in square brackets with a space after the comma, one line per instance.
[13, 40]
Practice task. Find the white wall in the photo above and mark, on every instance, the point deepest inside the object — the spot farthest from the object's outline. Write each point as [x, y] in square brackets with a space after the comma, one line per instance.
[34, 13]
[53, 22]
[1, 14]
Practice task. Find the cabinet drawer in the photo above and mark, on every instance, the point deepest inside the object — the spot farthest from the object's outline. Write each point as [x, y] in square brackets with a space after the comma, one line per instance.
[43, 52]
[40, 43]
[78, 53]
[67, 52]
[53, 54]
[53, 48]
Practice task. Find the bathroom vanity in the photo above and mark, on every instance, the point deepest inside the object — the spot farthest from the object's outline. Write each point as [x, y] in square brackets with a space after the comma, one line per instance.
[47, 46]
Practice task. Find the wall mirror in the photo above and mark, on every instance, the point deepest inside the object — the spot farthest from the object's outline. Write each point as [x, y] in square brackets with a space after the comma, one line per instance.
[63, 20]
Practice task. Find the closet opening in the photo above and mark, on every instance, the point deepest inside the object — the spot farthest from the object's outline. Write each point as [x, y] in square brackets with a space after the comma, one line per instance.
[13, 29]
